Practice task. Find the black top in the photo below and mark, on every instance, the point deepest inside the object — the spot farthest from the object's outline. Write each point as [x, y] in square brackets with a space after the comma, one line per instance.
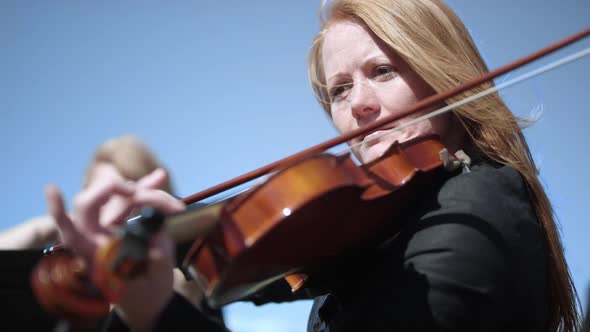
[471, 258]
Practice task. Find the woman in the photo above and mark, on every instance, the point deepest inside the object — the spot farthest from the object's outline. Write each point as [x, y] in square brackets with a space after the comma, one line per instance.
[479, 252]
[448, 58]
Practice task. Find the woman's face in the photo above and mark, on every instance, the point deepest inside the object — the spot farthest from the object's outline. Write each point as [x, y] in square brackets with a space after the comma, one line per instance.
[366, 82]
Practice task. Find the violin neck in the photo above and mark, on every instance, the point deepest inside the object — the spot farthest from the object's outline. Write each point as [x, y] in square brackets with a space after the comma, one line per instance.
[195, 222]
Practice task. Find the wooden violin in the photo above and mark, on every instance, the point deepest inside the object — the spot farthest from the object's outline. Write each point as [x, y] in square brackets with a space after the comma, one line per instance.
[314, 210]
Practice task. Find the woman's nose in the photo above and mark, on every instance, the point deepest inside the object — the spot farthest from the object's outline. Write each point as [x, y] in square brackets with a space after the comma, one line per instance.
[363, 101]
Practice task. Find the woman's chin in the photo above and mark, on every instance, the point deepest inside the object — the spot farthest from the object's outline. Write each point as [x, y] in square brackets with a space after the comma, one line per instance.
[372, 153]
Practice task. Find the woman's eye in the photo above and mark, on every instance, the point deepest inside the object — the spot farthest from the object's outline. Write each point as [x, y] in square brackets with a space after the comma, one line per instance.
[339, 91]
[385, 72]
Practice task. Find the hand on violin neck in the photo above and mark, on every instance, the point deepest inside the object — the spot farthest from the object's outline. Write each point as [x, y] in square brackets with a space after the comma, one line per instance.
[147, 192]
[98, 212]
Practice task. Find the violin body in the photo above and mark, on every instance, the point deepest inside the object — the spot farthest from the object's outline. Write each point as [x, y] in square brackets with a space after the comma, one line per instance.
[306, 215]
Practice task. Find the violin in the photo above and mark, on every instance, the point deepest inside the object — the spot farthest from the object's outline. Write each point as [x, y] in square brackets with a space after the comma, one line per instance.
[312, 211]
[313, 208]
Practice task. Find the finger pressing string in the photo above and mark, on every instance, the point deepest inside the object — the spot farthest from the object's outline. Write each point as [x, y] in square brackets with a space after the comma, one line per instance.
[89, 202]
[158, 199]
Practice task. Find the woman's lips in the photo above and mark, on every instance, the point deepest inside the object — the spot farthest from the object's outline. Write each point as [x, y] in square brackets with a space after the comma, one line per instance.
[373, 137]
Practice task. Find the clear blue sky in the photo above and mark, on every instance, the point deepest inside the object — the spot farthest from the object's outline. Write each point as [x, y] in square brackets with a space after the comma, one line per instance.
[218, 88]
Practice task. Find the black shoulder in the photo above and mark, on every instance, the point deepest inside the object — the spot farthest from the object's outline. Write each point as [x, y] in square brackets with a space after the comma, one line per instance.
[495, 194]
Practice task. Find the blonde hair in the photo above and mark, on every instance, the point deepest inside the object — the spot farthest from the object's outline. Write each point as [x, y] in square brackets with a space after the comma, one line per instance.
[431, 38]
[130, 156]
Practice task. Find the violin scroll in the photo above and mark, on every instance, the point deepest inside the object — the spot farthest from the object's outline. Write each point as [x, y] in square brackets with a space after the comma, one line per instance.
[62, 284]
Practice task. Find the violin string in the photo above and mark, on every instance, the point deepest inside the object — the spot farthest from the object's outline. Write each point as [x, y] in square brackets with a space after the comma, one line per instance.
[227, 197]
[553, 65]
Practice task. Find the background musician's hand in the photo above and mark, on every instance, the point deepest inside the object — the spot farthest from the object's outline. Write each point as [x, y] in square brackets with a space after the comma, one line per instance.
[102, 206]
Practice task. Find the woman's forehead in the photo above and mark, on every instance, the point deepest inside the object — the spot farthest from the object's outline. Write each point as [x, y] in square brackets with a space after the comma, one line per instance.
[346, 41]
